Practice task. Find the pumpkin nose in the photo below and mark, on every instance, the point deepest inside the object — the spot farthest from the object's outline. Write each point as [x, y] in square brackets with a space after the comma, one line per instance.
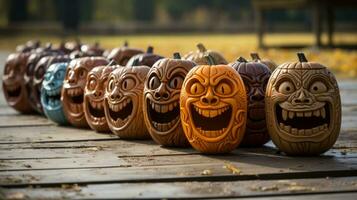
[302, 98]
[115, 94]
[98, 93]
[161, 93]
[257, 95]
[209, 98]
[72, 78]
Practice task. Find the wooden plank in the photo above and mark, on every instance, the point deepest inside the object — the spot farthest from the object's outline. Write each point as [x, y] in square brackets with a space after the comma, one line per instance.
[189, 190]
[17, 120]
[190, 167]
[54, 133]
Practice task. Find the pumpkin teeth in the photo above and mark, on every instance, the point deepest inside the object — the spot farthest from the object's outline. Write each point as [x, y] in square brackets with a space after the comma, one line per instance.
[120, 113]
[303, 123]
[163, 117]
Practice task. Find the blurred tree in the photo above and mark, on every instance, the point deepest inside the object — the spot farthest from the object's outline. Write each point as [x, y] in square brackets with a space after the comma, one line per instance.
[17, 10]
[144, 10]
[69, 11]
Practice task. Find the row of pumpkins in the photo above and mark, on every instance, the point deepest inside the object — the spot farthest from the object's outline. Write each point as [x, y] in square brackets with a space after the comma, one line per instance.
[198, 100]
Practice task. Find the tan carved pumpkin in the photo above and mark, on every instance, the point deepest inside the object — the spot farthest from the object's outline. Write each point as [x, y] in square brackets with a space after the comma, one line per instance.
[73, 88]
[213, 105]
[124, 102]
[94, 94]
[162, 99]
[199, 56]
[303, 108]
[147, 59]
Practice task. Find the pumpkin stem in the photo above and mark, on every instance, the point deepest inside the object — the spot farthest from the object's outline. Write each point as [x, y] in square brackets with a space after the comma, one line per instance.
[210, 59]
[177, 55]
[241, 59]
[255, 56]
[302, 57]
[136, 62]
[49, 45]
[96, 44]
[201, 47]
[150, 49]
[126, 44]
[112, 62]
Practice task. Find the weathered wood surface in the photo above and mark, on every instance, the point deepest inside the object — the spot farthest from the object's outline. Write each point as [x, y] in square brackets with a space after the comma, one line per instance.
[39, 159]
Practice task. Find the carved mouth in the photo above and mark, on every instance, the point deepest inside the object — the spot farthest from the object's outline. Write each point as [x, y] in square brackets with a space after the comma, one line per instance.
[211, 122]
[14, 91]
[119, 113]
[163, 117]
[96, 111]
[304, 123]
[52, 98]
[75, 97]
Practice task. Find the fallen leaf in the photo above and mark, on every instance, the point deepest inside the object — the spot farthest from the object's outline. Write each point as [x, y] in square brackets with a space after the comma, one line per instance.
[232, 168]
[206, 172]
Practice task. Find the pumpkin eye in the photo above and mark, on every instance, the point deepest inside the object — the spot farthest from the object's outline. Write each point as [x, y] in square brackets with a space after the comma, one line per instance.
[318, 87]
[154, 82]
[128, 84]
[223, 88]
[7, 69]
[40, 72]
[92, 84]
[111, 85]
[286, 87]
[197, 88]
[82, 73]
[70, 73]
[48, 76]
[176, 82]
[59, 74]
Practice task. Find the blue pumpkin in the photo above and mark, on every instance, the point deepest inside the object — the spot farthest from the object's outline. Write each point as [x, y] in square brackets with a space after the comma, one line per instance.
[51, 93]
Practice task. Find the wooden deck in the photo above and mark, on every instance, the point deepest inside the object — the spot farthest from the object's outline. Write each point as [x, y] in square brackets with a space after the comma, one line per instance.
[41, 160]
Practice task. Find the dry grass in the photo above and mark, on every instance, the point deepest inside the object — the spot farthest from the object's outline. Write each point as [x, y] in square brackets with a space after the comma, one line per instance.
[342, 62]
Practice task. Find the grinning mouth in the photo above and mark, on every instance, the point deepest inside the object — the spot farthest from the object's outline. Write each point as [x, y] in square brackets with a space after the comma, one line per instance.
[304, 123]
[211, 122]
[53, 97]
[96, 109]
[75, 97]
[119, 113]
[163, 117]
[14, 91]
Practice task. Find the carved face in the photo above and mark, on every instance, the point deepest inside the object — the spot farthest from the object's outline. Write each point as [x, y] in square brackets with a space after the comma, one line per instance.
[51, 93]
[38, 77]
[146, 59]
[124, 101]
[199, 56]
[94, 97]
[13, 82]
[122, 55]
[161, 101]
[213, 105]
[30, 75]
[303, 108]
[73, 88]
[255, 77]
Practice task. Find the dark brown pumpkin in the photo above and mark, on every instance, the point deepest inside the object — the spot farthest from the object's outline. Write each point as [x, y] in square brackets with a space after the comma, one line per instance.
[122, 55]
[199, 56]
[269, 63]
[147, 59]
[255, 76]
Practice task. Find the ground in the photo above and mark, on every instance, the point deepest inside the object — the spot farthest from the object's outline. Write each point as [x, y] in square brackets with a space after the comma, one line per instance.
[40, 160]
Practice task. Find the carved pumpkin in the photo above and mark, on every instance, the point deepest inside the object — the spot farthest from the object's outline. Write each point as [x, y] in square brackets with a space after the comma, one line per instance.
[38, 77]
[28, 46]
[255, 76]
[14, 87]
[122, 55]
[270, 64]
[94, 97]
[303, 108]
[92, 50]
[213, 105]
[199, 56]
[69, 47]
[73, 88]
[51, 93]
[29, 76]
[124, 102]
[162, 98]
[147, 59]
